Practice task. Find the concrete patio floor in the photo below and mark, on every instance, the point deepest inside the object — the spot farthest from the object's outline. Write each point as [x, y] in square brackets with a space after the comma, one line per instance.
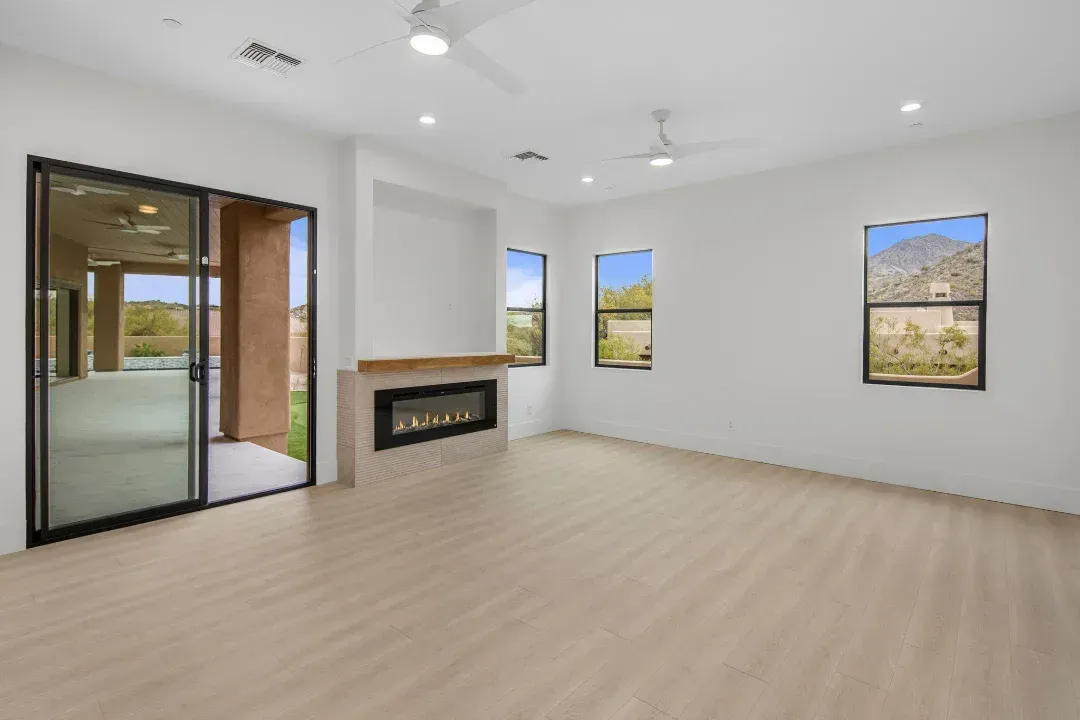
[119, 442]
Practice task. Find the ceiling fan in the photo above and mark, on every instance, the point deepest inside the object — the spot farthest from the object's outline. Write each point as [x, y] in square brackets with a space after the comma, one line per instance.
[80, 190]
[438, 29]
[171, 255]
[129, 224]
[666, 152]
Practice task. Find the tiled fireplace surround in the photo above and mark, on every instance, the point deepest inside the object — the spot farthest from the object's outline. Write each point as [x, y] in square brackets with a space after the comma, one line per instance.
[358, 462]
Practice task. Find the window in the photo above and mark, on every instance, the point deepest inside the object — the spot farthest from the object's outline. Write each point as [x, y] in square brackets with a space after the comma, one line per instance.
[526, 307]
[924, 319]
[624, 310]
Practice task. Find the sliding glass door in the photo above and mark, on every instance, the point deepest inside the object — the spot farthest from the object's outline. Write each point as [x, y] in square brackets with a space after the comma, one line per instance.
[120, 362]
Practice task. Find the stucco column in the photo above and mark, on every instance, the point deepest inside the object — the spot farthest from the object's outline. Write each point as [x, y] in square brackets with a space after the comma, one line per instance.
[255, 325]
[108, 318]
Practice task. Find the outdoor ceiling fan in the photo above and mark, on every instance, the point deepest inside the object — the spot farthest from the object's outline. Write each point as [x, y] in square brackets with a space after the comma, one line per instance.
[80, 190]
[130, 224]
[171, 255]
[438, 29]
[666, 152]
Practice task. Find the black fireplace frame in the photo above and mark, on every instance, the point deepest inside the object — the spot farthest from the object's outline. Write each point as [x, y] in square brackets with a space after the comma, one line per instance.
[384, 412]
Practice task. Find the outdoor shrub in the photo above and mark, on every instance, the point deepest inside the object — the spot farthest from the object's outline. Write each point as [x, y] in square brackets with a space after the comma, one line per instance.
[146, 350]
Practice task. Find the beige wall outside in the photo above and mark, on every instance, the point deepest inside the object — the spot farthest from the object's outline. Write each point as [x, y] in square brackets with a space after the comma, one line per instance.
[67, 262]
[255, 345]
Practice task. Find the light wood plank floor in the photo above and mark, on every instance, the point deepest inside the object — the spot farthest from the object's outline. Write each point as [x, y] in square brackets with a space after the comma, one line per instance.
[573, 577]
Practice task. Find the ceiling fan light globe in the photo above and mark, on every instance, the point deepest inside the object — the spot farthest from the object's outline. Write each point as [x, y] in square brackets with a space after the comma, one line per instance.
[661, 160]
[429, 40]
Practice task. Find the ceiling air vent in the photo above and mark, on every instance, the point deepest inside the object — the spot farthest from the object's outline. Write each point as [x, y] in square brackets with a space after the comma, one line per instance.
[529, 156]
[260, 55]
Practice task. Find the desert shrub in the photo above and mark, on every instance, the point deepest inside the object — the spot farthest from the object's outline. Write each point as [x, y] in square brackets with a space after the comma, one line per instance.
[146, 350]
[619, 348]
[909, 352]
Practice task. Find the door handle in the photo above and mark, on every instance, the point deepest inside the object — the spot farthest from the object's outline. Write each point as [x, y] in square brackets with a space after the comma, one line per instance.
[197, 372]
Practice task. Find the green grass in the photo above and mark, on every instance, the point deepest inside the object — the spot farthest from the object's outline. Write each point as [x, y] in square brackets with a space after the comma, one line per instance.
[298, 425]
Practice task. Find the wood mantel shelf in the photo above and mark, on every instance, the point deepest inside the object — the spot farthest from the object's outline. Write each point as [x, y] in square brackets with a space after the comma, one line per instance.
[432, 362]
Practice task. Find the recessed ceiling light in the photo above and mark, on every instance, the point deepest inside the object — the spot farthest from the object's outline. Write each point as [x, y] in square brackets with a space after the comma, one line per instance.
[429, 40]
[171, 23]
[148, 210]
[910, 107]
[661, 160]
[587, 179]
[426, 119]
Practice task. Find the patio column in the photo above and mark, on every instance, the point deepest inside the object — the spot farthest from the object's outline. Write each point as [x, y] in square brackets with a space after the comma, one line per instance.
[108, 318]
[255, 325]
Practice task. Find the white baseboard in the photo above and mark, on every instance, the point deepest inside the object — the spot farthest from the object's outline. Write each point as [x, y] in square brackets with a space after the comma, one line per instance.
[528, 429]
[1036, 495]
[12, 538]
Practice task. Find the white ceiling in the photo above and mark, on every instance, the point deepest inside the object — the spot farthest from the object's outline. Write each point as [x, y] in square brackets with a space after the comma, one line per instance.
[811, 79]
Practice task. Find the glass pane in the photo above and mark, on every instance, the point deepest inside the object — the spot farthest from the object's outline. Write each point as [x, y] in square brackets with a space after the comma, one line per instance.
[625, 280]
[524, 280]
[121, 402]
[625, 339]
[938, 260]
[298, 339]
[525, 336]
[925, 344]
[427, 413]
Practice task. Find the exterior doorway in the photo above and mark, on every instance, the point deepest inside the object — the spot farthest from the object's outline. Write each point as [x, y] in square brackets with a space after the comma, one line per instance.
[156, 385]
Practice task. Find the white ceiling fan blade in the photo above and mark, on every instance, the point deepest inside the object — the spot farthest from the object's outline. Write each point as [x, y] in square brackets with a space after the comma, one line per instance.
[371, 47]
[480, 63]
[654, 150]
[407, 14]
[464, 16]
[153, 227]
[69, 191]
[690, 149]
[148, 231]
[124, 221]
[639, 156]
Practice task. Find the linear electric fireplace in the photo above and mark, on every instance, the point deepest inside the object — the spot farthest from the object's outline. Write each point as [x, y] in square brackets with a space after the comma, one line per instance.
[405, 416]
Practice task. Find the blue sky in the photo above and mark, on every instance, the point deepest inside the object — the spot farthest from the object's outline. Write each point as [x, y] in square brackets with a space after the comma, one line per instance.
[623, 269]
[967, 229]
[175, 289]
[524, 279]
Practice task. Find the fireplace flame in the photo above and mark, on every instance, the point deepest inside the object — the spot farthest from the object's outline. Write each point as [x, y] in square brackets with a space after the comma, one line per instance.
[429, 421]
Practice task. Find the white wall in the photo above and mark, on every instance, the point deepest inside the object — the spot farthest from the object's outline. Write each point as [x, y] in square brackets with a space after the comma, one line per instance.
[746, 269]
[536, 227]
[376, 177]
[434, 275]
[64, 112]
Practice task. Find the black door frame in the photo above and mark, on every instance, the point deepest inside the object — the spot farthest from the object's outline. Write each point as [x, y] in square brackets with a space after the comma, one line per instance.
[36, 205]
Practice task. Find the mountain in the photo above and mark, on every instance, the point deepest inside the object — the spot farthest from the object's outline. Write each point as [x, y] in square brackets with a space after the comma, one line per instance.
[962, 270]
[911, 256]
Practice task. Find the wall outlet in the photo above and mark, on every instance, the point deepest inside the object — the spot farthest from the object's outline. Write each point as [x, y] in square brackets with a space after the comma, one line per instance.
[528, 409]
[731, 425]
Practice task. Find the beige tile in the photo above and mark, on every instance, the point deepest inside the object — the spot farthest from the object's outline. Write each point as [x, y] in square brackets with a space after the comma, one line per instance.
[804, 676]
[920, 687]
[727, 695]
[1042, 687]
[634, 709]
[850, 699]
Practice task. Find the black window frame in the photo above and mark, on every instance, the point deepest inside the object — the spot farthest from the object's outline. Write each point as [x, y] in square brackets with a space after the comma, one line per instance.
[542, 310]
[979, 304]
[597, 312]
